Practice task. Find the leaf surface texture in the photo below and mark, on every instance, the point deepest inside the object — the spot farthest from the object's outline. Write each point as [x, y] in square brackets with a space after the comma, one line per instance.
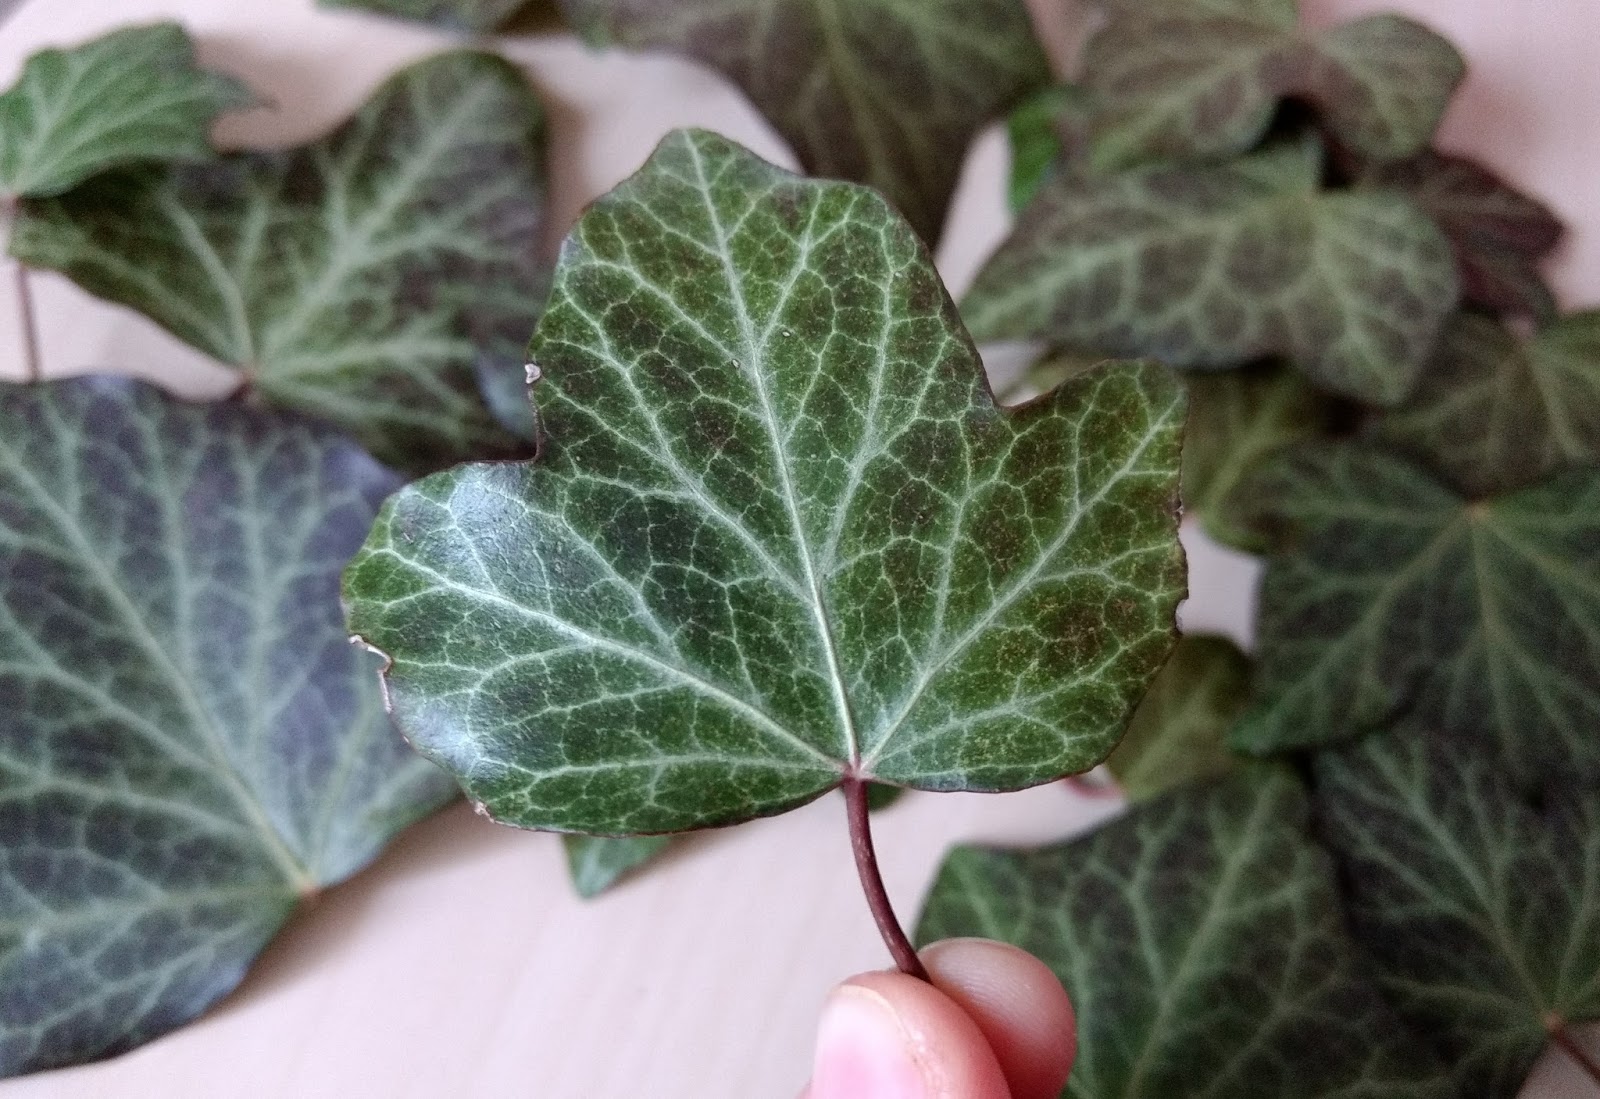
[1389, 592]
[1236, 419]
[1210, 266]
[1196, 81]
[884, 92]
[1499, 234]
[1495, 412]
[133, 95]
[1482, 908]
[379, 278]
[1178, 733]
[1201, 941]
[780, 532]
[189, 744]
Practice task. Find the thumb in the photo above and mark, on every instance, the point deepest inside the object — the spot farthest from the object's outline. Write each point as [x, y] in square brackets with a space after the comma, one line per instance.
[889, 1036]
[995, 1024]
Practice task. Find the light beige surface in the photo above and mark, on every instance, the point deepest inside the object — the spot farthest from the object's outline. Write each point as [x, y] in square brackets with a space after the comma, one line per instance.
[462, 964]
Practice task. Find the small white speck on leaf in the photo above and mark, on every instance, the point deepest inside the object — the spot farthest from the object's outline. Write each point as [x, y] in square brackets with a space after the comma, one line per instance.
[532, 371]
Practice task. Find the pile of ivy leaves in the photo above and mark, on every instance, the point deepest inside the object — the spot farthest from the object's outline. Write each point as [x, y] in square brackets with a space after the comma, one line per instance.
[763, 531]
[1366, 859]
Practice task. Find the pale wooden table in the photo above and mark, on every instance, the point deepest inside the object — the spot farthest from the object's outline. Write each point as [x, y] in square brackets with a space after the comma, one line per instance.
[462, 964]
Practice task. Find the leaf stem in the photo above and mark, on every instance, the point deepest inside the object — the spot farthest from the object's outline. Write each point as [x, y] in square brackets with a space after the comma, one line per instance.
[33, 371]
[1562, 1037]
[894, 936]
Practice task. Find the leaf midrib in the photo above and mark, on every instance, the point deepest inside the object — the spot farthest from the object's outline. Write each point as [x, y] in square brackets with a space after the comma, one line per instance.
[754, 354]
[1173, 989]
[1487, 919]
[298, 876]
[345, 261]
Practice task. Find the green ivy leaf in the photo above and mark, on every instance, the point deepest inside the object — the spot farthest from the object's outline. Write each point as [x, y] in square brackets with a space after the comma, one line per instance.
[881, 92]
[781, 533]
[1201, 941]
[1201, 81]
[599, 862]
[1236, 419]
[1479, 907]
[1394, 592]
[1210, 266]
[1178, 733]
[1045, 129]
[189, 745]
[1495, 412]
[1499, 234]
[881, 796]
[133, 95]
[369, 278]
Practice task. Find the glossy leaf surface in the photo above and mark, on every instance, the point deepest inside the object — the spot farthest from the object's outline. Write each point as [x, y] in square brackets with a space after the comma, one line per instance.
[884, 92]
[1499, 234]
[1392, 592]
[1480, 907]
[373, 279]
[189, 744]
[133, 95]
[1236, 419]
[1178, 733]
[1211, 266]
[1188, 81]
[1201, 940]
[1495, 412]
[780, 533]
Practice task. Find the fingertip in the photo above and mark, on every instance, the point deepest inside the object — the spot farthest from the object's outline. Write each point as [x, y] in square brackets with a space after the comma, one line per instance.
[1019, 1006]
[890, 1036]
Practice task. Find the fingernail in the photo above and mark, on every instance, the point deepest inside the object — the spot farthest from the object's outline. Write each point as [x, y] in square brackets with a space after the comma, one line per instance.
[863, 1052]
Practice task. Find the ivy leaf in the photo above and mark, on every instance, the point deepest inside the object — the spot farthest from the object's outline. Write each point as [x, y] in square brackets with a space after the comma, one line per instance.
[133, 95]
[1210, 266]
[1201, 940]
[1494, 412]
[1045, 129]
[1201, 81]
[1178, 733]
[881, 796]
[596, 863]
[1479, 908]
[189, 745]
[879, 92]
[1394, 592]
[781, 535]
[1236, 419]
[1499, 234]
[363, 278]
